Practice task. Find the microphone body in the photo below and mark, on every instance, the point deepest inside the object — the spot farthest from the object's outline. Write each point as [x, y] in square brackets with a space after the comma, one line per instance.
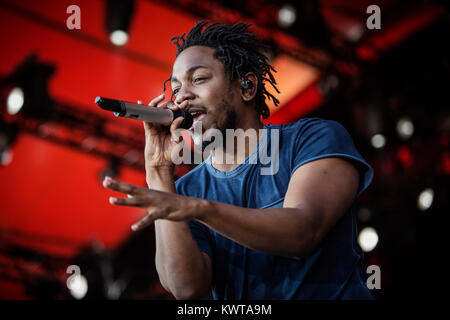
[144, 113]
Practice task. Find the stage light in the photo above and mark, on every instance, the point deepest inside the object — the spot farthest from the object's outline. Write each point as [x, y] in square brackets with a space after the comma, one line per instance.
[405, 128]
[287, 16]
[378, 141]
[368, 239]
[425, 199]
[30, 94]
[304, 20]
[14, 101]
[355, 33]
[329, 84]
[6, 157]
[78, 286]
[117, 20]
[118, 37]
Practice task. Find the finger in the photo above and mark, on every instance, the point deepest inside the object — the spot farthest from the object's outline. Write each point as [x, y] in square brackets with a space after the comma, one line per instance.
[152, 128]
[156, 100]
[123, 187]
[144, 222]
[174, 106]
[166, 105]
[173, 129]
[136, 201]
[183, 104]
[147, 219]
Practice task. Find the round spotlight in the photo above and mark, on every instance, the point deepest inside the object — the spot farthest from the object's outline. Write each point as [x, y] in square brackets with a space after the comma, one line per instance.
[405, 128]
[425, 199]
[355, 32]
[6, 157]
[118, 37]
[15, 101]
[368, 239]
[78, 286]
[287, 16]
[378, 141]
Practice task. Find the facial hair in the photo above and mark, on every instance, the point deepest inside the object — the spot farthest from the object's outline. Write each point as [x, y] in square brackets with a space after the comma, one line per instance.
[227, 122]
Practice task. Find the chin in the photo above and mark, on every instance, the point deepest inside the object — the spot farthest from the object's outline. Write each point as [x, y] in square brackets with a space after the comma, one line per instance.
[201, 141]
[208, 123]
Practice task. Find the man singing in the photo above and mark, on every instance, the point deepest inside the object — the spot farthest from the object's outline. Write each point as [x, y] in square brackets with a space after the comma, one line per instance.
[226, 229]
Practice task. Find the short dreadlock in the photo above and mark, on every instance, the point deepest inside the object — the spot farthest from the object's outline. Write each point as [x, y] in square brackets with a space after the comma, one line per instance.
[239, 51]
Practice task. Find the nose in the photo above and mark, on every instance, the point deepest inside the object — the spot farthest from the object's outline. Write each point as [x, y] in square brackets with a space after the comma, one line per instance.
[183, 94]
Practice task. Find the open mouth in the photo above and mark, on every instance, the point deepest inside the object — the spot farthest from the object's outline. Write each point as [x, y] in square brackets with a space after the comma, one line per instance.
[197, 114]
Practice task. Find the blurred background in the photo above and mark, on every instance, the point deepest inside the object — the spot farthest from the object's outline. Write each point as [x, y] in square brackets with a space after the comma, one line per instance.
[388, 86]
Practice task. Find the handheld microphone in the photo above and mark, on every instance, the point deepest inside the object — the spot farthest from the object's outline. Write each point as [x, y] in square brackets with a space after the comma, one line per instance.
[144, 113]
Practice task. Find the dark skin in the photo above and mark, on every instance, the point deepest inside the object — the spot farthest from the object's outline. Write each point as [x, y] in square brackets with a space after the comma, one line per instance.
[319, 192]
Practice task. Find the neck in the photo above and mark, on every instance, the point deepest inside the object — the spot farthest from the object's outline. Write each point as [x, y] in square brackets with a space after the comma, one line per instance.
[237, 146]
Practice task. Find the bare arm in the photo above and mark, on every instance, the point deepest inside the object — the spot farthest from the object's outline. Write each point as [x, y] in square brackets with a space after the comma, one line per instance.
[183, 269]
[318, 195]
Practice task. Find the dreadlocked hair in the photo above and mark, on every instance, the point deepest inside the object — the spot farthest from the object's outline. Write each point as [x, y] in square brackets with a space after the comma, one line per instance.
[239, 51]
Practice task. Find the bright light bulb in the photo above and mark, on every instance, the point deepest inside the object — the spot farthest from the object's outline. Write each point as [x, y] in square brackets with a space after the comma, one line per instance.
[405, 128]
[78, 286]
[378, 141]
[6, 157]
[425, 199]
[287, 16]
[118, 37]
[15, 101]
[355, 32]
[368, 239]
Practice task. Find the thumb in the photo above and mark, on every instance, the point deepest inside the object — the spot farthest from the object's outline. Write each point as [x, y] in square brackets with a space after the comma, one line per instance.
[175, 131]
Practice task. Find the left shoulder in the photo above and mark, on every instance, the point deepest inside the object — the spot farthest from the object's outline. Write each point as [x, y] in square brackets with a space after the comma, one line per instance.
[309, 125]
[315, 138]
[319, 126]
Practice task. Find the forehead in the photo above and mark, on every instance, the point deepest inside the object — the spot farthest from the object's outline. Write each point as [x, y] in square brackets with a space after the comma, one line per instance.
[194, 56]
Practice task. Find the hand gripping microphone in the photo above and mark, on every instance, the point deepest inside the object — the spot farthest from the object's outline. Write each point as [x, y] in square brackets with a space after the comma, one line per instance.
[144, 113]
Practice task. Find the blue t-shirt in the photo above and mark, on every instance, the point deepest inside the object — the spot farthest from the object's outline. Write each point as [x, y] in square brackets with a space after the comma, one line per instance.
[332, 271]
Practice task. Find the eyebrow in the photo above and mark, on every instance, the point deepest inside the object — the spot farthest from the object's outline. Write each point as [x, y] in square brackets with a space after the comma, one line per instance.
[189, 71]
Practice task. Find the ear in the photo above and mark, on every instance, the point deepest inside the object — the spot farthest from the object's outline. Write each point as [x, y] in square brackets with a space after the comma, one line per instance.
[249, 93]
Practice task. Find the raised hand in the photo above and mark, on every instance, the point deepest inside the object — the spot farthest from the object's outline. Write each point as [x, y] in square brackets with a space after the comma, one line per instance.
[160, 140]
[158, 204]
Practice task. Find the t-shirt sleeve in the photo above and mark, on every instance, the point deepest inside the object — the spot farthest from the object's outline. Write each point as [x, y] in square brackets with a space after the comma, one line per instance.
[318, 138]
[200, 232]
